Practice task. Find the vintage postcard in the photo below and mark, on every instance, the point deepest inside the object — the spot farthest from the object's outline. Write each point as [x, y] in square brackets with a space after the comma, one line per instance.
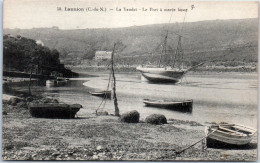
[130, 80]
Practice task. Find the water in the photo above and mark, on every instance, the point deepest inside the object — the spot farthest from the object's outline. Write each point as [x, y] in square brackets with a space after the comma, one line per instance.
[218, 97]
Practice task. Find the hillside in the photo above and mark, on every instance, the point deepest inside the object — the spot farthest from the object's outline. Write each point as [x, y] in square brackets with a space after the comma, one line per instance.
[219, 40]
[21, 54]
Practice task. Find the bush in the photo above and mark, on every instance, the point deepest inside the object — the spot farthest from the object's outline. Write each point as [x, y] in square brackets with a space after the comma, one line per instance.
[156, 119]
[130, 117]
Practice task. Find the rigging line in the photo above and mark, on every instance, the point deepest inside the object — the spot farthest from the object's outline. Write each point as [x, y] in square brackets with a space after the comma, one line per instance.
[100, 104]
[183, 22]
[106, 95]
[165, 42]
[170, 20]
[104, 99]
[109, 79]
[104, 102]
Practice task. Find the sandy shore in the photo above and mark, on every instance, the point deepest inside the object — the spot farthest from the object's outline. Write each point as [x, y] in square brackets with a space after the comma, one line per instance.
[105, 138]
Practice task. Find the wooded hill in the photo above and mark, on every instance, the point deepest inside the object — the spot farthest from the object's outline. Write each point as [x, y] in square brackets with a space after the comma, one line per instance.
[21, 54]
[218, 40]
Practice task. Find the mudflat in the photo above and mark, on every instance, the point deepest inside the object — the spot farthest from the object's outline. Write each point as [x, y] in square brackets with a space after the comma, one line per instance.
[106, 138]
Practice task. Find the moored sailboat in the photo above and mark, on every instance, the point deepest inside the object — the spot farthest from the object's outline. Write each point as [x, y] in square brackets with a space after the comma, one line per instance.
[171, 73]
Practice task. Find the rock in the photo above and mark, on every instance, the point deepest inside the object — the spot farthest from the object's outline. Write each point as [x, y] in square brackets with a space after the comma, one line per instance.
[46, 100]
[95, 157]
[156, 119]
[29, 99]
[22, 95]
[130, 117]
[22, 104]
[55, 101]
[14, 100]
[99, 148]
[50, 100]
[24, 111]
[4, 113]
[55, 154]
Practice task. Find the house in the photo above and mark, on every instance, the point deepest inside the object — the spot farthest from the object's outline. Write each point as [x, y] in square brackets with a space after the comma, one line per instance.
[101, 55]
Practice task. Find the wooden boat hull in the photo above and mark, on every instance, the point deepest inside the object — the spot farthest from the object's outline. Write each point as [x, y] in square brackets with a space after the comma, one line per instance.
[229, 134]
[184, 106]
[160, 75]
[56, 83]
[164, 75]
[159, 78]
[103, 94]
[53, 110]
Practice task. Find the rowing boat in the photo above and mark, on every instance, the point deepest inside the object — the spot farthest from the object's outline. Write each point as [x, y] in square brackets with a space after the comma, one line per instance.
[54, 110]
[229, 134]
[185, 106]
[104, 94]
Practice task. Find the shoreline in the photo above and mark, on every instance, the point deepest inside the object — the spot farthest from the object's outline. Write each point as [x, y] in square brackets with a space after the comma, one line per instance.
[106, 138]
[249, 67]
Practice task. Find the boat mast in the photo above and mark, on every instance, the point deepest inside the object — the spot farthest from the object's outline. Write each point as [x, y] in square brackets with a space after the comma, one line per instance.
[179, 51]
[114, 83]
[164, 46]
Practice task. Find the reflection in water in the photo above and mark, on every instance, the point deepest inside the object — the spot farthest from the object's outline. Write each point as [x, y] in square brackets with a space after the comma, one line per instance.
[230, 98]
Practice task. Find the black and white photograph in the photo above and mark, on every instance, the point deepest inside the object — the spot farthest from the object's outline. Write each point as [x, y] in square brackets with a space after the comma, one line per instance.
[130, 80]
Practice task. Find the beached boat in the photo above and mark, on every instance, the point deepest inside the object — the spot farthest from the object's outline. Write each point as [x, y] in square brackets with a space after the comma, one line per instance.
[50, 82]
[170, 68]
[54, 110]
[228, 134]
[164, 75]
[104, 94]
[161, 75]
[184, 106]
[57, 82]
[61, 81]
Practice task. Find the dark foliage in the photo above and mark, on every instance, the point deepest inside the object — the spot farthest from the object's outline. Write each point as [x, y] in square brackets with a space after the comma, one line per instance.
[23, 54]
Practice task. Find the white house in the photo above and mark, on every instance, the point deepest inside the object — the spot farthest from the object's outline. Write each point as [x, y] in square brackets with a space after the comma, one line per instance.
[99, 55]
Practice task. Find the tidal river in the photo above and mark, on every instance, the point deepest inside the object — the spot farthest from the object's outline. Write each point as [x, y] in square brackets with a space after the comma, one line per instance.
[217, 97]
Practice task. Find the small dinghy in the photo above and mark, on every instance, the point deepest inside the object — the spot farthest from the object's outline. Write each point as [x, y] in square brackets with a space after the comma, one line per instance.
[54, 110]
[104, 94]
[228, 134]
[184, 106]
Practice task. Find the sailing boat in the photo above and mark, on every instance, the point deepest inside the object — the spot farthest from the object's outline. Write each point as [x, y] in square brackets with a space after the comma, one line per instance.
[165, 73]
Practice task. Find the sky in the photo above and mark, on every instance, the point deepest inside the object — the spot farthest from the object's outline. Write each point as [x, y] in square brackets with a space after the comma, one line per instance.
[26, 14]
